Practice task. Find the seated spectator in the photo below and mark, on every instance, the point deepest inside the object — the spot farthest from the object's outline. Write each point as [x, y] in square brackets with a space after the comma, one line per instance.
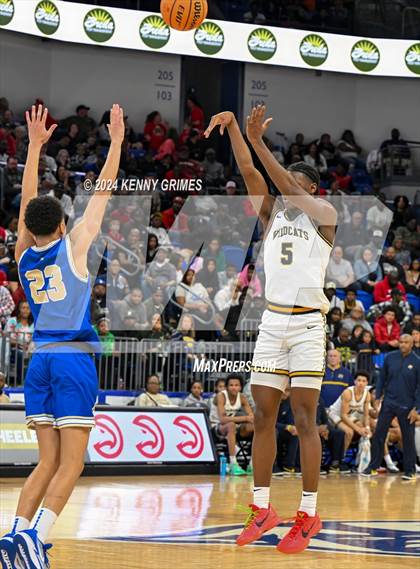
[382, 289]
[152, 396]
[117, 285]
[341, 175]
[7, 305]
[19, 330]
[195, 398]
[154, 131]
[152, 248]
[193, 296]
[348, 149]
[131, 311]
[410, 236]
[196, 117]
[220, 385]
[229, 274]
[339, 270]
[415, 334]
[327, 149]
[402, 255]
[215, 251]
[286, 435]
[402, 308]
[389, 263]
[106, 337]
[356, 334]
[160, 273]
[412, 277]
[12, 180]
[350, 301]
[4, 399]
[293, 155]
[355, 318]
[195, 145]
[334, 318]
[366, 348]
[379, 216]
[158, 329]
[414, 324]
[402, 212]
[234, 417]
[209, 278]
[353, 236]
[336, 379]
[387, 331]
[254, 15]
[344, 345]
[81, 120]
[168, 146]
[315, 159]
[213, 170]
[350, 412]
[98, 300]
[249, 279]
[154, 304]
[173, 218]
[114, 231]
[367, 271]
[156, 228]
[335, 302]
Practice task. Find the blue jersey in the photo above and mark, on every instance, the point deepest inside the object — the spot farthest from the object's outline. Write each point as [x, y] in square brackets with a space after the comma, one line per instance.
[59, 298]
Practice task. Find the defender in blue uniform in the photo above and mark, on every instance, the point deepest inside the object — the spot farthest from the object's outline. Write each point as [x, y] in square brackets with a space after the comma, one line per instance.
[61, 383]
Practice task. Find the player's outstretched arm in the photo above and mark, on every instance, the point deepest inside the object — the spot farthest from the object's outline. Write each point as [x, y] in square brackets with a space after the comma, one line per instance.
[256, 185]
[38, 136]
[89, 226]
[318, 209]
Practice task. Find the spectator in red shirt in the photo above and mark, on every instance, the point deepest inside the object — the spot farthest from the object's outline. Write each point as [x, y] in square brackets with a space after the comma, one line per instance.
[155, 130]
[387, 331]
[342, 176]
[169, 216]
[196, 113]
[382, 289]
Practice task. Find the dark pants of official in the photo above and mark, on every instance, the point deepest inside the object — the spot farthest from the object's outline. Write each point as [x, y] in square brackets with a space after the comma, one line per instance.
[386, 415]
[291, 443]
[335, 444]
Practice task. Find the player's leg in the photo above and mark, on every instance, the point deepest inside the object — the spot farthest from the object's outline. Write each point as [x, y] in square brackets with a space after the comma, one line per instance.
[385, 418]
[229, 430]
[409, 446]
[348, 434]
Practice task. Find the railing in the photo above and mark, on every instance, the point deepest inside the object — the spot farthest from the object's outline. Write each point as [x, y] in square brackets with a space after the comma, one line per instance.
[400, 163]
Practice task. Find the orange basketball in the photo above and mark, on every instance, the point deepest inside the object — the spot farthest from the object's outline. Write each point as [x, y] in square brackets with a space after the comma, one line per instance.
[184, 15]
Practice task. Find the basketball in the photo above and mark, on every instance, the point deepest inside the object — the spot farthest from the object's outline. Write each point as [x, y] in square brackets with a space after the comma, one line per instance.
[184, 15]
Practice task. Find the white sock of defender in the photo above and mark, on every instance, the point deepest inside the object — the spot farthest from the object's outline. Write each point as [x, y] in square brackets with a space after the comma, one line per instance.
[308, 503]
[20, 524]
[388, 460]
[262, 496]
[232, 459]
[44, 522]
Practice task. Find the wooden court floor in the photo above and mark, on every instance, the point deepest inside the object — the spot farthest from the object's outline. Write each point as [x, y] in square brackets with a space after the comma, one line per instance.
[190, 522]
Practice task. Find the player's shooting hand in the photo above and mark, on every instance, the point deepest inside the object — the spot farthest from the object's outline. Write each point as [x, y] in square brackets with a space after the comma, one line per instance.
[116, 127]
[222, 119]
[257, 124]
[37, 132]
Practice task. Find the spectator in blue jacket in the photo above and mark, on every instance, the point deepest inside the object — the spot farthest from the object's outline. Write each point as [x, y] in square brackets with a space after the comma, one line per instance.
[399, 385]
[337, 378]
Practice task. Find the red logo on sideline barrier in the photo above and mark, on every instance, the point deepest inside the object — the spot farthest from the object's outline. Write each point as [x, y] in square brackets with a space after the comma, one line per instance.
[191, 448]
[112, 446]
[154, 447]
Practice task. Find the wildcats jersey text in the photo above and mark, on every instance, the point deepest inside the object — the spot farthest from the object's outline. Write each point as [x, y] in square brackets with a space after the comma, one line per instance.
[296, 256]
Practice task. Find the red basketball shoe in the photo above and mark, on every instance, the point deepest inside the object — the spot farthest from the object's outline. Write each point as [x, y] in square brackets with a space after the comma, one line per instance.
[258, 522]
[298, 538]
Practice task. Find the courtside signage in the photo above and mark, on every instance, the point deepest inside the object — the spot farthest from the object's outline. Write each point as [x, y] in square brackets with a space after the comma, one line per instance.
[268, 45]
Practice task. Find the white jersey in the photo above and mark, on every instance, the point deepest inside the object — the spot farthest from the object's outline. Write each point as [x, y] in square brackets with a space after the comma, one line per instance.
[356, 408]
[230, 409]
[296, 256]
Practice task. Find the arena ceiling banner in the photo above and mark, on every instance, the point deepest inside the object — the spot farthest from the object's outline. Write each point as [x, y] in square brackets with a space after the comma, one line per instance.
[128, 29]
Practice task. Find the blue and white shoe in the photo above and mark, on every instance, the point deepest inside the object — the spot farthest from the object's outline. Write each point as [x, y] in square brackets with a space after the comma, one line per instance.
[8, 552]
[31, 552]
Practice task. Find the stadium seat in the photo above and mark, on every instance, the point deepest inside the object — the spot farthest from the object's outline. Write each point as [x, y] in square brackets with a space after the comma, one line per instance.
[365, 298]
[414, 301]
[234, 255]
[340, 293]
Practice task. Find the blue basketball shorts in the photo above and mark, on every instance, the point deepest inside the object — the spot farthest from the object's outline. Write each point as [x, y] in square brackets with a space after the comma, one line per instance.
[61, 389]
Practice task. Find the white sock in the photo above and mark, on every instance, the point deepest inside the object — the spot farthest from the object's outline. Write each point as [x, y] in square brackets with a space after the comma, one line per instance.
[44, 522]
[232, 459]
[20, 524]
[308, 503]
[388, 460]
[262, 496]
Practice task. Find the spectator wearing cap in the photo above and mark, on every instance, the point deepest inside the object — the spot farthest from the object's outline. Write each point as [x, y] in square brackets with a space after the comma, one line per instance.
[339, 270]
[376, 243]
[117, 285]
[98, 304]
[84, 122]
[382, 289]
[173, 218]
[337, 378]
[4, 399]
[330, 292]
[367, 271]
[156, 228]
[389, 263]
[402, 308]
[387, 331]
[213, 170]
[231, 188]
[131, 311]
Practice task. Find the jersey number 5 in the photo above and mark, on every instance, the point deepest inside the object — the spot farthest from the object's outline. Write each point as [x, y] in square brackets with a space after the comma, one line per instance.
[286, 254]
[56, 290]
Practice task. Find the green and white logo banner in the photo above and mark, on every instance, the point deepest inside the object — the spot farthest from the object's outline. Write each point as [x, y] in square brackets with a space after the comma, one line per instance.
[138, 30]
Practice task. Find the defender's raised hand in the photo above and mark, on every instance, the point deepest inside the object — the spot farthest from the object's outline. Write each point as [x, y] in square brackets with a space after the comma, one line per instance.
[222, 119]
[117, 127]
[37, 132]
[257, 124]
